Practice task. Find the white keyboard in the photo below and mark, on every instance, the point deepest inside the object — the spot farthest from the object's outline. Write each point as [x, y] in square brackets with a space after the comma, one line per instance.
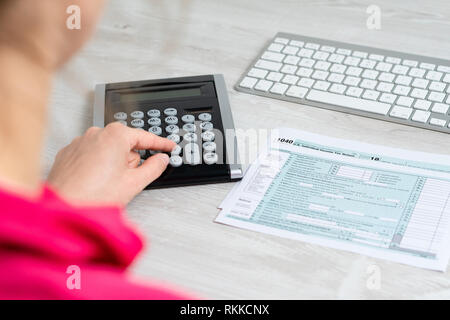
[387, 85]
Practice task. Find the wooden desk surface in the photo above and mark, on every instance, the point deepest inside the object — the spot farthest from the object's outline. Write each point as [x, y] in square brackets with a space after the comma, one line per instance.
[158, 39]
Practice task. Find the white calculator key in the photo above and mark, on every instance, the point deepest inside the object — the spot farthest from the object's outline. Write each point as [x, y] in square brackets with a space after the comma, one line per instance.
[205, 126]
[440, 108]
[209, 146]
[175, 161]
[188, 118]
[421, 116]
[438, 122]
[208, 136]
[192, 154]
[154, 122]
[422, 104]
[297, 92]
[263, 85]
[122, 122]
[155, 130]
[401, 112]
[257, 73]
[279, 88]
[176, 151]
[153, 113]
[190, 137]
[174, 137]
[205, 116]
[189, 127]
[120, 116]
[248, 82]
[137, 123]
[173, 128]
[210, 158]
[137, 115]
[171, 120]
[170, 112]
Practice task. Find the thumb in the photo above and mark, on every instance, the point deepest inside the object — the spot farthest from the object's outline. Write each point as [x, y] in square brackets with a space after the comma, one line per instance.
[150, 169]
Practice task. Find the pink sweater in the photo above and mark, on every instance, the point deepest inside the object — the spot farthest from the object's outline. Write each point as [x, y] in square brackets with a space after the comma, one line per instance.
[51, 250]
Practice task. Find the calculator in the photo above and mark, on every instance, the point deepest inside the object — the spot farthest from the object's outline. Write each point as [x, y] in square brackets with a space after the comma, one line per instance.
[194, 112]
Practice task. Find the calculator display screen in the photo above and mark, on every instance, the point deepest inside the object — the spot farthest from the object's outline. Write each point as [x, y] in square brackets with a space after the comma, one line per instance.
[153, 95]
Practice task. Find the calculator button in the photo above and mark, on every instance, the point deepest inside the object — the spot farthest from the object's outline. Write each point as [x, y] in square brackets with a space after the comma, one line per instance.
[120, 116]
[210, 158]
[192, 154]
[205, 117]
[155, 130]
[172, 129]
[137, 115]
[205, 126]
[176, 151]
[189, 127]
[137, 123]
[209, 146]
[171, 120]
[174, 137]
[170, 112]
[153, 113]
[175, 161]
[122, 122]
[154, 122]
[190, 137]
[188, 118]
[208, 136]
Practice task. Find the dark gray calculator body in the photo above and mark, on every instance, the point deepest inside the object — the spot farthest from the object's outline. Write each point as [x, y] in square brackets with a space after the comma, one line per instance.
[192, 111]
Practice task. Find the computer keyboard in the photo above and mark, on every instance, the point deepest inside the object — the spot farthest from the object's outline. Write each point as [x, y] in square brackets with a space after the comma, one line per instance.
[382, 84]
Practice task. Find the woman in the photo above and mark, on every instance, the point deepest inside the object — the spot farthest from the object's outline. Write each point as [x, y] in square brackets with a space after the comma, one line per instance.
[65, 238]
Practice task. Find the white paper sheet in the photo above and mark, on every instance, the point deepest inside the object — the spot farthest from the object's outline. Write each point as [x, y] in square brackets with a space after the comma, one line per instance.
[383, 202]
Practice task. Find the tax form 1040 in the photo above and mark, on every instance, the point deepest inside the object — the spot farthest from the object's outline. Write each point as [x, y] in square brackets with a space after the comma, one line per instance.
[386, 203]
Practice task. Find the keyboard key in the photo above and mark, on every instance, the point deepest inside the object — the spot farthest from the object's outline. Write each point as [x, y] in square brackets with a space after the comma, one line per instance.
[306, 82]
[322, 85]
[209, 146]
[447, 78]
[410, 63]
[305, 53]
[263, 85]
[206, 126]
[422, 105]
[336, 77]
[367, 64]
[190, 137]
[345, 52]
[176, 151]
[336, 58]
[322, 65]
[428, 66]
[279, 88]
[338, 88]
[371, 95]
[154, 122]
[137, 123]
[419, 93]
[275, 76]
[352, 61]
[385, 87]
[440, 108]
[296, 43]
[288, 69]
[281, 40]
[208, 136]
[320, 55]
[155, 130]
[443, 69]
[436, 96]
[403, 80]
[348, 102]
[276, 47]
[437, 86]
[420, 83]
[210, 158]
[368, 84]
[290, 79]
[405, 101]
[268, 65]
[438, 122]
[383, 67]
[360, 54]
[292, 60]
[401, 112]
[257, 73]
[338, 68]
[388, 98]
[248, 82]
[189, 127]
[296, 92]
[172, 128]
[192, 154]
[421, 116]
[376, 57]
[290, 50]
[434, 75]
[175, 161]
[188, 118]
[417, 73]
[306, 62]
[354, 92]
[313, 46]
[328, 48]
[320, 75]
[170, 112]
[352, 81]
[305, 72]
[386, 77]
[393, 60]
[402, 90]
[370, 74]
[171, 120]
[353, 71]
[398, 69]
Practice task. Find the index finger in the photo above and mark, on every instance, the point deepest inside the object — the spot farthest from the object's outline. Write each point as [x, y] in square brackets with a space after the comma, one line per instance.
[141, 139]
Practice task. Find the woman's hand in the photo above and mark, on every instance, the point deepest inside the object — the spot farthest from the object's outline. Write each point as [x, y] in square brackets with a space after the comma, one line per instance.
[101, 167]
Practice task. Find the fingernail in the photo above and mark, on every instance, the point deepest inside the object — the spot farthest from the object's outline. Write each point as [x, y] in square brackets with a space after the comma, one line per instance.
[165, 158]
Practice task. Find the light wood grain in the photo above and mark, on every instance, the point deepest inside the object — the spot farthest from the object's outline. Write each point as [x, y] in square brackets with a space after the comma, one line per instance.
[158, 39]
